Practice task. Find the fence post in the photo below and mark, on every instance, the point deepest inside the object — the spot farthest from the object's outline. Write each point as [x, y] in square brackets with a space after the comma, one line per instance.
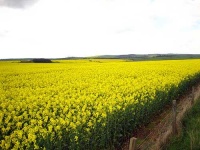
[132, 144]
[174, 127]
[192, 97]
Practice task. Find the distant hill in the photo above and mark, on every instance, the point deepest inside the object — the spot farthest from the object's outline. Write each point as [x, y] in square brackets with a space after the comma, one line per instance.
[29, 60]
[142, 57]
[130, 57]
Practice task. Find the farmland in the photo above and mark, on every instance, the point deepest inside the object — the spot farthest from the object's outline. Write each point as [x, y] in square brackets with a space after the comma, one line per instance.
[85, 104]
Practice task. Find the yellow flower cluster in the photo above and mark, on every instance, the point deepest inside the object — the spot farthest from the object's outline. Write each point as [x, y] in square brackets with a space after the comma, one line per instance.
[84, 104]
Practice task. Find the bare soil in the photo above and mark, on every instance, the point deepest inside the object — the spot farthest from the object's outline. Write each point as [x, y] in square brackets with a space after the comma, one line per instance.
[156, 134]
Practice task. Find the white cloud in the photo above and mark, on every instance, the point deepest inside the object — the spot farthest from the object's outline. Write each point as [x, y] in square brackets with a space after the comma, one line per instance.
[17, 3]
[60, 28]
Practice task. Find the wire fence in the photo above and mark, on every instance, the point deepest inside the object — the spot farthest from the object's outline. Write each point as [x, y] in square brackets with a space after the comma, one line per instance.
[146, 143]
[164, 128]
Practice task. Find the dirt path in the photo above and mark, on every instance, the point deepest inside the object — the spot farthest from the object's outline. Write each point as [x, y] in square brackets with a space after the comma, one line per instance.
[156, 134]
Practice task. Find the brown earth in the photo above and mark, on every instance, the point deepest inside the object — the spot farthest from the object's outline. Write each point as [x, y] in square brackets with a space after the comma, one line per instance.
[156, 134]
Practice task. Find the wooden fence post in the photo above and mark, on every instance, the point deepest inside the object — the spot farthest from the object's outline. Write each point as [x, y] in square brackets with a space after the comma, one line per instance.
[174, 127]
[192, 97]
[132, 144]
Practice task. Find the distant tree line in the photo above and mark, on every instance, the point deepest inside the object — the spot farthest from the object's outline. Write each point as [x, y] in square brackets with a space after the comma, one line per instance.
[42, 60]
[37, 60]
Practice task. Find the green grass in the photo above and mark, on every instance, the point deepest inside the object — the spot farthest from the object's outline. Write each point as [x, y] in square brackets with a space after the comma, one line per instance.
[190, 136]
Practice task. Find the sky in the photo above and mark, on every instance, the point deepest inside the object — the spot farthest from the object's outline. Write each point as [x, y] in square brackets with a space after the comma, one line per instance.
[65, 28]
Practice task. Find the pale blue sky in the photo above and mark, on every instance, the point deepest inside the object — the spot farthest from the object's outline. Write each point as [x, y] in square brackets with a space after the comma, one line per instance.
[61, 28]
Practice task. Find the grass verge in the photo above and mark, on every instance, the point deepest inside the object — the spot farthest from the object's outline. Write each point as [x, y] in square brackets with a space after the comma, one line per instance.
[189, 138]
